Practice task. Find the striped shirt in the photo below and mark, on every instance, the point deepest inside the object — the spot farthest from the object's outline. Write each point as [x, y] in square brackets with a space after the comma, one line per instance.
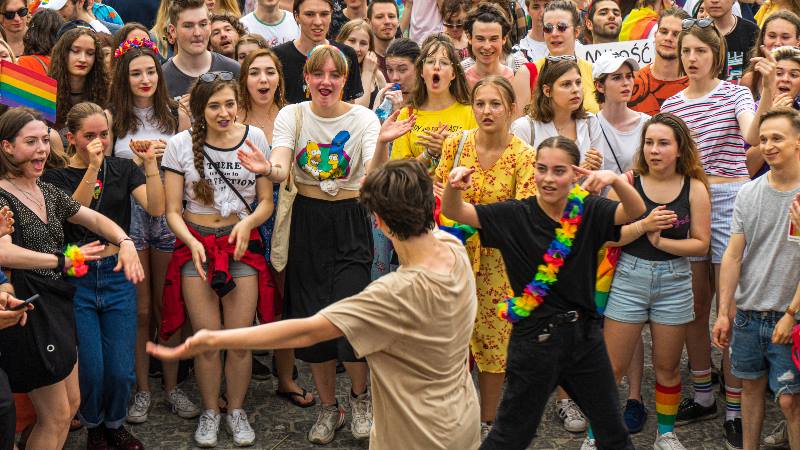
[715, 129]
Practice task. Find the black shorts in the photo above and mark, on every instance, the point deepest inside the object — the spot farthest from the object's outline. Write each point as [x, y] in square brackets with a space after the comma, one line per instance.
[330, 258]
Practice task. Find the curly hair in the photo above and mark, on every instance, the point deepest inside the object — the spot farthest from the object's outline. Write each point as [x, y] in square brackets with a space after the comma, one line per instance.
[199, 96]
[688, 163]
[279, 100]
[41, 35]
[122, 102]
[401, 194]
[95, 83]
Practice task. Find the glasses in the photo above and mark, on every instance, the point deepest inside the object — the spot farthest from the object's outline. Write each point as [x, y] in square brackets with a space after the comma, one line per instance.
[561, 26]
[453, 25]
[434, 61]
[561, 58]
[702, 23]
[208, 77]
[22, 12]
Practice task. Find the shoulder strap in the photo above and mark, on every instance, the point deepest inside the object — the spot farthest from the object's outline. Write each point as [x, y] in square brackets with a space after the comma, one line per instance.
[39, 60]
[610, 147]
[227, 181]
[530, 123]
[461, 142]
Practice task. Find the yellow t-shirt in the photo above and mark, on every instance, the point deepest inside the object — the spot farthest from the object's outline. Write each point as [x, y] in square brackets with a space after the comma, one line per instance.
[457, 116]
[589, 102]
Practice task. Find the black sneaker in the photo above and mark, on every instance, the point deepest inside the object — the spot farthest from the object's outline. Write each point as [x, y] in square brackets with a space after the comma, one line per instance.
[260, 370]
[733, 434]
[690, 411]
[635, 415]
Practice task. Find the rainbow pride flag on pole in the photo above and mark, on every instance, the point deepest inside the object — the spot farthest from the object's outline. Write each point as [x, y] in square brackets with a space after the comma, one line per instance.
[23, 87]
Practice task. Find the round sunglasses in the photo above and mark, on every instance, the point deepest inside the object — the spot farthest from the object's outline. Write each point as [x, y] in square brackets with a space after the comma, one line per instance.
[561, 27]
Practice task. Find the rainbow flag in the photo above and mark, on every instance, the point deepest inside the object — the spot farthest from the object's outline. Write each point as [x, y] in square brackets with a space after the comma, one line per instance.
[639, 24]
[607, 259]
[457, 229]
[23, 87]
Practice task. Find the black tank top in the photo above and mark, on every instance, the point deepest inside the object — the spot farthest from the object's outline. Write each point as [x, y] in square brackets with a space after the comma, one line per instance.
[641, 247]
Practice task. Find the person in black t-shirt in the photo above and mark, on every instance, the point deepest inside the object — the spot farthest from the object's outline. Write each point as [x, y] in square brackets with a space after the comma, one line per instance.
[740, 36]
[314, 19]
[560, 342]
[105, 301]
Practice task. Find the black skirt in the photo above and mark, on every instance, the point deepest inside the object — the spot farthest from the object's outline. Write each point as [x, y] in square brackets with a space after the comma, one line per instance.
[330, 258]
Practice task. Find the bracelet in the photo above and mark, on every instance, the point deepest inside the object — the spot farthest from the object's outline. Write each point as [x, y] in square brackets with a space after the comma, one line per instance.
[90, 182]
[79, 267]
[126, 238]
[639, 227]
[61, 262]
[270, 169]
[148, 175]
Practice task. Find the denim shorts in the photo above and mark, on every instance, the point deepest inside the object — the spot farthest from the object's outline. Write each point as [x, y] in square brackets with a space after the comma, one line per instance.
[753, 354]
[659, 291]
[723, 198]
[148, 231]
[237, 269]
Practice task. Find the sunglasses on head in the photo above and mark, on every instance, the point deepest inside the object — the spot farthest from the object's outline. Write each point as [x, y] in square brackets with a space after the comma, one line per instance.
[561, 26]
[702, 23]
[560, 58]
[208, 77]
[22, 12]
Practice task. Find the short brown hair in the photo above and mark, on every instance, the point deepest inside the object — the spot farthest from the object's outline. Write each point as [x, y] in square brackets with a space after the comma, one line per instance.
[232, 20]
[11, 123]
[401, 193]
[790, 114]
[564, 5]
[710, 36]
[179, 6]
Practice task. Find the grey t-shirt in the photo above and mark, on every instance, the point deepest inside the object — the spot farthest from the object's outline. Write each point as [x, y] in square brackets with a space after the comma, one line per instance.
[771, 263]
[178, 83]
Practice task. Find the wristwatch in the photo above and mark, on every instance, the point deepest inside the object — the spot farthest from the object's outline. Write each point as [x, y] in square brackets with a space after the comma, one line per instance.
[792, 312]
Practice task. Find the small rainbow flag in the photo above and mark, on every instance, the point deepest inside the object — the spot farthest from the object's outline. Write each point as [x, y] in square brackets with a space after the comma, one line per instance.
[23, 87]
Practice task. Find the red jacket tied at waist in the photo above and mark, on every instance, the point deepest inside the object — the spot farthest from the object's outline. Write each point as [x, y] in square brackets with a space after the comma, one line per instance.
[218, 253]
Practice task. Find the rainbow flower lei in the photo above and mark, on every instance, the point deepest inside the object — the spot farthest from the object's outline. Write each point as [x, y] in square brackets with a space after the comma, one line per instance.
[135, 43]
[513, 308]
[79, 267]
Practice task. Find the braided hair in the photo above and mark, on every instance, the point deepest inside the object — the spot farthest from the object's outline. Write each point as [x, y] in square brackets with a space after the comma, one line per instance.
[200, 94]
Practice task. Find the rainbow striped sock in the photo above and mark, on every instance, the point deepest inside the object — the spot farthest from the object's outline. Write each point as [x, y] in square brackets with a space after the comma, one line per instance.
[589, 432]
[667, 399]
[733, 402]
[701, 379]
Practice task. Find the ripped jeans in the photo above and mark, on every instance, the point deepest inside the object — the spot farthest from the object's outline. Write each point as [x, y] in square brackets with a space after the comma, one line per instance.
[753, 355]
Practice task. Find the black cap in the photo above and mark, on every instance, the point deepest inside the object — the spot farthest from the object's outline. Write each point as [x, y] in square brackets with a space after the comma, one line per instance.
[72, 25]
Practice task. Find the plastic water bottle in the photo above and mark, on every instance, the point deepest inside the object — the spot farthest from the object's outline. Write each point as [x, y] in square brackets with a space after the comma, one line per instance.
[386, 107]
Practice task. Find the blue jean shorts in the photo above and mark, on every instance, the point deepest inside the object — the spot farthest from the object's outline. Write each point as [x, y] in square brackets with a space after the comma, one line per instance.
[659, 291]
[723, 198]
[148, 231]
[753, 354]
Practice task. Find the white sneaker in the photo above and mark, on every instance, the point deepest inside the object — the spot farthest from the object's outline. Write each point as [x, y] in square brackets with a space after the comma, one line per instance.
[571, 416]
[361, 415]
[588, 444]
[329, 419]
[207, 429]
[237, 424]
[485, 429]
[140, 408]
[779, 437]
[181, 405]
[668, 441]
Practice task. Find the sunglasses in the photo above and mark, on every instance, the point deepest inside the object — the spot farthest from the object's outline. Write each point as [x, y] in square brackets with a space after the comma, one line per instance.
[561, 58]
[208, 77]
[453, 25]
[22, 12]
[702, 23]
[562, 27]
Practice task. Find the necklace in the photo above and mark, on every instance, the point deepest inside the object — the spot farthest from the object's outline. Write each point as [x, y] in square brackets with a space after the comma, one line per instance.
[512, 308]
[27, 194]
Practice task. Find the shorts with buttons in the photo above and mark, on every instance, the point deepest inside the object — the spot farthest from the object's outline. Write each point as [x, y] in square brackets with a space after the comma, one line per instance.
[753, 355]
[150, 232]
[658, 291]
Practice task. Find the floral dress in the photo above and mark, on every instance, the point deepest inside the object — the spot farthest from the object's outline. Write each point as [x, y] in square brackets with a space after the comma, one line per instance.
[510, 177]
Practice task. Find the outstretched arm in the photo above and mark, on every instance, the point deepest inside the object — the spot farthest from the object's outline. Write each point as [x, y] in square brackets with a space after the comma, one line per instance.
[293, 333]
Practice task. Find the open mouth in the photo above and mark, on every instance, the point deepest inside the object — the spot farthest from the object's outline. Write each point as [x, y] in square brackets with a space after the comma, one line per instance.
[548, 189]
[784, 89]
[436, 79]
[325, 92]
[487, 121]
[263, 91]
[38, 164]
[223, 123]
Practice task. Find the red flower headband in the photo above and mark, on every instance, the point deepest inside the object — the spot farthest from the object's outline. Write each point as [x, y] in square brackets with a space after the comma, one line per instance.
[134, 43]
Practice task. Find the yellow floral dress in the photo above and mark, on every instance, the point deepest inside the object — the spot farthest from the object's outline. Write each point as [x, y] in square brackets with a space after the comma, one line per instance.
[511, 177]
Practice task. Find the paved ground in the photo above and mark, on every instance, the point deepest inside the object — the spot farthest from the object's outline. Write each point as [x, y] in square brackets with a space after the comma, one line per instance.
[280, 425]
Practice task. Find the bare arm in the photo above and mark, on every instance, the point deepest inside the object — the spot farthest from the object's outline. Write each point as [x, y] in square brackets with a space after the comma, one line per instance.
[728, 280]
[522, 90]
[452, 205]
[405, 20]
[173, 186]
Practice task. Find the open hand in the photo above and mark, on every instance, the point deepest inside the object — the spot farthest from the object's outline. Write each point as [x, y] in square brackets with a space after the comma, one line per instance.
[392, 128]
[193, 346]
[434, 139]
[128, 260]
[596, 180]
[255, 161]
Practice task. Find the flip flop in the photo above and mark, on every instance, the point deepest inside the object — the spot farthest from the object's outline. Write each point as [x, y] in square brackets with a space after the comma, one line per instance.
[296, 398]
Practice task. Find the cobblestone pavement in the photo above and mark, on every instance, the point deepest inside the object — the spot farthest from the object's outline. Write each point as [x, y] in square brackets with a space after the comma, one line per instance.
[280, 425]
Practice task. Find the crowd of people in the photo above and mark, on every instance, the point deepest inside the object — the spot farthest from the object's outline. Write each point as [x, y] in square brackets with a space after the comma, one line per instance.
[409, 192]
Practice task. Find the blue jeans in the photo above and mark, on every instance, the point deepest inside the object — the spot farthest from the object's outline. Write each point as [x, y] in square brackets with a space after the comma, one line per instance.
[105, 319]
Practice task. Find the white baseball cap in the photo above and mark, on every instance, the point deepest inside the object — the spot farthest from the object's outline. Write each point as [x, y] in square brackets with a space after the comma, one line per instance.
[609, 63]
[55, 5]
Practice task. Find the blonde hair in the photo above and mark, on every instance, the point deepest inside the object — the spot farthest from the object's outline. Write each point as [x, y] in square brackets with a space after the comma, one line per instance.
[320, 54]
[10, 52]
[353, 25]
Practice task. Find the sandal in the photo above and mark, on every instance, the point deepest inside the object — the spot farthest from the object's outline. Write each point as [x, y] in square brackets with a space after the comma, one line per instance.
[296, 398]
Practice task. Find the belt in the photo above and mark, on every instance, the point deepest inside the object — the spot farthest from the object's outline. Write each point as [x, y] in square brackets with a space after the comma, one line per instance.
[555, 321]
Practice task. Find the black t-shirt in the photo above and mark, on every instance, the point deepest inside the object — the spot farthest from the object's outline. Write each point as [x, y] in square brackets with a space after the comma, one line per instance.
[522, 232]
[122, 176]
[295, 85]
[178, 83]
[738, 43]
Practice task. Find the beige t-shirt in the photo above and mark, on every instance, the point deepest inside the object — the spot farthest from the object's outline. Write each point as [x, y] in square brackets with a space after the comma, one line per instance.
[414, 327]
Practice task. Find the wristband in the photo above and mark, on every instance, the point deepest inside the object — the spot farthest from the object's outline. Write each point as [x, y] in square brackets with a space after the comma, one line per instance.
[270, 169]
[79, 267]
[61, 262]
[126, 238]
